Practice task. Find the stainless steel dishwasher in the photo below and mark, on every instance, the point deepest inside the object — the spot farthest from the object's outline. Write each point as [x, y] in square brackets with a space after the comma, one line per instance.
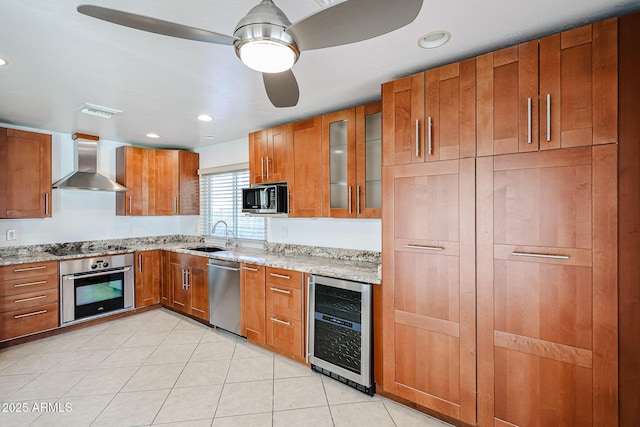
[224, 295]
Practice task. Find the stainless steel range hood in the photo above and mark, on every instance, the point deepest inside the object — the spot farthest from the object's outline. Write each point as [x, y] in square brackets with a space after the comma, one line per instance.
[86, 175]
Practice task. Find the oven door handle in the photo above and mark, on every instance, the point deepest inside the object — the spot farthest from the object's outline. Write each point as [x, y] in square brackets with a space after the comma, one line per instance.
[103, 273]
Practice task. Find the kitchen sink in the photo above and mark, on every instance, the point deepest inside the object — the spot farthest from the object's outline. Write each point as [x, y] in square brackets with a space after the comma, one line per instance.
[206, 249]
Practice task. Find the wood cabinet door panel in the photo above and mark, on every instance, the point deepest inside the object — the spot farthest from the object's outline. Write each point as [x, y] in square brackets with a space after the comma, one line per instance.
[252, 288]
[277, 165]
[147, 278]
[28, 271]
[507, 103]
[578, 87]
[189, 183]
[28, 300]
[258, 152]
[198, 281]
[165, 182]
[544, 301]
[28, 321]
[284, 334]
[179, 292]
[305, 163]
[403, 121]
[538, 392]
[284, 301]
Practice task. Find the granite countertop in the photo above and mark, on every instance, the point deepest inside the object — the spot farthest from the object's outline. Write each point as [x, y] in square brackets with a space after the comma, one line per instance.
[343, 264]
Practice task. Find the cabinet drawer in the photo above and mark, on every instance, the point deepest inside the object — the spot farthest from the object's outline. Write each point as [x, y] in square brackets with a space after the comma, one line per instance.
[28, 284]
[29, 299]
[280, 276]
[28, 321]
[35, 269]
[284, 301]
[284, 334]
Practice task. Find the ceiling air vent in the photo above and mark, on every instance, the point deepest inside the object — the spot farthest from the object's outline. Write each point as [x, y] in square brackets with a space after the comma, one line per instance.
[99, 111]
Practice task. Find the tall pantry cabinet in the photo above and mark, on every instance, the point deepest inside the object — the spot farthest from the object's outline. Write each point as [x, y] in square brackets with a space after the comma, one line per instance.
[518, 222]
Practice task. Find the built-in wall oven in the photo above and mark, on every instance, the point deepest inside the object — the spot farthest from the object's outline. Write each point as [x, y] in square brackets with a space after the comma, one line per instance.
[92, 287]
[339, 335]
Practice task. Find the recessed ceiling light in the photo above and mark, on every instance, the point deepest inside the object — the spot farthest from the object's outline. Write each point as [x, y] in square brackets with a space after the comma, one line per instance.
[209, 137]
[153, 135]
[3, 62]
[204, 118]
[99, 111]
[434, 39]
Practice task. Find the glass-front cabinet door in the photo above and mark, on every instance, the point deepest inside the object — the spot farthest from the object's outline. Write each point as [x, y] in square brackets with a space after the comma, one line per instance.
[352, 168]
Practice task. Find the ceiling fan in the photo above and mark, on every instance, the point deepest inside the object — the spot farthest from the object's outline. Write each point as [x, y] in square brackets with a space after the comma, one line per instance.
[267, 41]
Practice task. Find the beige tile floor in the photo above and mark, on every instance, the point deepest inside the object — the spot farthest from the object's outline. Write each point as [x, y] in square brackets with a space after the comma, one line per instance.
[160, 368]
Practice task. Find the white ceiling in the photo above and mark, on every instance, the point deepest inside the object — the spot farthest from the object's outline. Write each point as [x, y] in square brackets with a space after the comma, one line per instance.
[59, 60]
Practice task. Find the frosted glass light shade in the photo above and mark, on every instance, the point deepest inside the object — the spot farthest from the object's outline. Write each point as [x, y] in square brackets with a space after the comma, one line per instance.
[267, 56]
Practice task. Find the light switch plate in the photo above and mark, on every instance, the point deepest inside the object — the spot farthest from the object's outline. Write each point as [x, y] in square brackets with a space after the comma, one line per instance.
[11, 234]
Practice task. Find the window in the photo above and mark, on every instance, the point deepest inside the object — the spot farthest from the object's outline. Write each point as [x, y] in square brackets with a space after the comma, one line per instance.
[221, 200]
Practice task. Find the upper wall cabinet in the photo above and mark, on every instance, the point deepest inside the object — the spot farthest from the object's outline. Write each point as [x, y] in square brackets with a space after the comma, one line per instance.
[25, 180]
[160, 182]
[351, 153]
[558, 92]
[268, 155]
[430, 116]
[305, 168]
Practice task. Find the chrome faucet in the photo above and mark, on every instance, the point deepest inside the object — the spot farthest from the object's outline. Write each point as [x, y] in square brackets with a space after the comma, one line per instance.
[226, 227]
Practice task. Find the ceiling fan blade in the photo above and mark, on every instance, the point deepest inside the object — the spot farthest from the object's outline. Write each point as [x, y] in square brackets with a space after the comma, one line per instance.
[153, 25]
[353, 21]
[282, 88]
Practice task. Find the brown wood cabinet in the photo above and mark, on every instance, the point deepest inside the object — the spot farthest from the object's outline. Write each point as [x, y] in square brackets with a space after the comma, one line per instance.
[558, 92]
[429, 335]
[284, 311]
[161, 182]
[147, 277]
[547, 288]
[28, 299]
[187, 284]
[351, 162]
[305, 168]
[252, 297]
[268, 157]
[430, 116]
[25, 181]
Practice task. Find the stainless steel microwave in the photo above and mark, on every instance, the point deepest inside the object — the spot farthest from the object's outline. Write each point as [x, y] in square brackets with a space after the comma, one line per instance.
[266, 199]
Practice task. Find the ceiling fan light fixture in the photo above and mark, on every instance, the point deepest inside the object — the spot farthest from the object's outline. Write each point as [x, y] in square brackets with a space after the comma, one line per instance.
[267, 56]
[3, 62]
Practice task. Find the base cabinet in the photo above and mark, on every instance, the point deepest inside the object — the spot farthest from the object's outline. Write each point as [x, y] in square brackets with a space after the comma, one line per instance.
[252, 297]
[28, 299]
[186, 284]
[147, 278]
[284, 310]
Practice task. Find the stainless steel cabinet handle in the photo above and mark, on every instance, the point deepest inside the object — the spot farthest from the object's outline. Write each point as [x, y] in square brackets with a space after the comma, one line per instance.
[528, 120]
[417, 138]
[188, 279]
[183, 279]
[19, 316]
[273, 319]
[175, 205]
[130, 204]
[548, 117]
[358, 200]
[428, 248]
[249, 269]
[140, 263]
[267, 167]
[280, 276]
[262, 167]
[350, 199]
[536, 255]
[282, 291]
[29, 299]
[46, 203]
[20, 285]
[224, 268]
[40, 267]
[429, 131]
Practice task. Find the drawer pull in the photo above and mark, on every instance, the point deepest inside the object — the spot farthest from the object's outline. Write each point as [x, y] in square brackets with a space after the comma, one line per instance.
[280, 276]
[20, 285]
[536, 255]
[428, 248]
[29, 299]
[41, 267]
[35, 313]
[249, 269]
[282, 291]
[273, 319]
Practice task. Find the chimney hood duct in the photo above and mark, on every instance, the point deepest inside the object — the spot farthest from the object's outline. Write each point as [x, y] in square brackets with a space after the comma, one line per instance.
[85, 175]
